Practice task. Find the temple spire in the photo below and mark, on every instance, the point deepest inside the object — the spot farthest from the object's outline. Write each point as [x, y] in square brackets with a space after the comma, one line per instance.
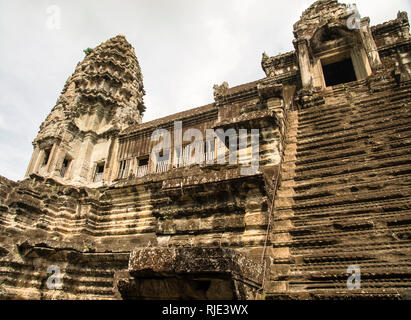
[103, 96]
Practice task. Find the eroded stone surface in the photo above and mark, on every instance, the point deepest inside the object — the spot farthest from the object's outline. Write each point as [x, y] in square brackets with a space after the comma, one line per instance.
[332, 187]
[189, 273]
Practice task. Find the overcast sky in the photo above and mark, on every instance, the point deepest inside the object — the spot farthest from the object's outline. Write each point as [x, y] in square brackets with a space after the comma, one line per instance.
[184, 47]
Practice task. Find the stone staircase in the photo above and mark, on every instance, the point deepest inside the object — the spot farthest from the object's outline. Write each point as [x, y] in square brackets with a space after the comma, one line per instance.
[345, 195]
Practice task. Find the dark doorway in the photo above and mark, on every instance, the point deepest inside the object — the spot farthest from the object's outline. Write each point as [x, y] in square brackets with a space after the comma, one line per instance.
[143, 161]
[64, 167]
[46, 157]
[99, 172]
[339, 72]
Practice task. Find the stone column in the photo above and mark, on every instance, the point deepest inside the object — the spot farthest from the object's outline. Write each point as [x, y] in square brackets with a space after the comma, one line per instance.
[403, 66]
[60, 155]
[111, 169]
[39, 161]
[33, 161]
[405, 25]
[304, 62]
[82, 166]
[361, 62]
[48, 167]
[54, 158]
[369, 44]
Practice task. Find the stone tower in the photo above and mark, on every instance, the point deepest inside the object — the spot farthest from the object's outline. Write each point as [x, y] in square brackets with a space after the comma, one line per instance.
[102, 97]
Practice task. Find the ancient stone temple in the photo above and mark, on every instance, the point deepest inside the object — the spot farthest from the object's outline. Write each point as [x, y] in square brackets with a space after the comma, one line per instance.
[279, 188]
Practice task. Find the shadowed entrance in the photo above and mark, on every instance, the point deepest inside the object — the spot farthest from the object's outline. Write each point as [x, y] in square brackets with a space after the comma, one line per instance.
[339, 72]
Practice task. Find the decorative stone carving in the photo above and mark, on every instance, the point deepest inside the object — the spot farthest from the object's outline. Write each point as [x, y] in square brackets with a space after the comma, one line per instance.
[103, 96]
[193, 266]
[220, 90]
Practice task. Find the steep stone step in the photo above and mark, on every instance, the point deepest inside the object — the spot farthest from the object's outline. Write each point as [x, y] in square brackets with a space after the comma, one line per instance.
[349, 187]
[309, 212]
[384, 143]
[361, 219]
[292, 169]
[401, 147]
[329, 128]
[338, 126]
[328, 199]
[357, 109]
[365, 228]
[306, 216]
[397, 164]
[364, 104]
[313, 170]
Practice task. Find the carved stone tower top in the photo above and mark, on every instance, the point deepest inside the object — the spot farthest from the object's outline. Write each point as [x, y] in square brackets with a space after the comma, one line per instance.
[108, 83]
[331, 35]
[103, 96]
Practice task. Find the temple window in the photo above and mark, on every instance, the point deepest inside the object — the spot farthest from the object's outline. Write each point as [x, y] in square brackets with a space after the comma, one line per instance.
[143, 161]
[163, 165]
[123, 169]
[142, 168]
[338, 72]
[65, 166]
[333, 56]
[98, 176]
[46, 157]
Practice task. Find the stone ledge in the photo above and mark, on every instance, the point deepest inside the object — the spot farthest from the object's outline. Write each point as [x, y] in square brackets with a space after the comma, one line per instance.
[157, 272]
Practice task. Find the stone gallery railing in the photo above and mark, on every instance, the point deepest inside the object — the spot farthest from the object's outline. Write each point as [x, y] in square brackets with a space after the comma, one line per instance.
[162, 166]
[142, 171]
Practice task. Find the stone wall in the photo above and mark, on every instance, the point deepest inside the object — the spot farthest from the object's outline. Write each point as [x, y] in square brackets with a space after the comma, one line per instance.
[331, 190]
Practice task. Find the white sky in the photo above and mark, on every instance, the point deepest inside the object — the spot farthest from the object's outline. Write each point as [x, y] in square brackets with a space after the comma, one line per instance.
[184, 47]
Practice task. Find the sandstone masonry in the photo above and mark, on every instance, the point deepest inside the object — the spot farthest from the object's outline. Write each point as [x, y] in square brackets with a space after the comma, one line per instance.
[332, 189]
